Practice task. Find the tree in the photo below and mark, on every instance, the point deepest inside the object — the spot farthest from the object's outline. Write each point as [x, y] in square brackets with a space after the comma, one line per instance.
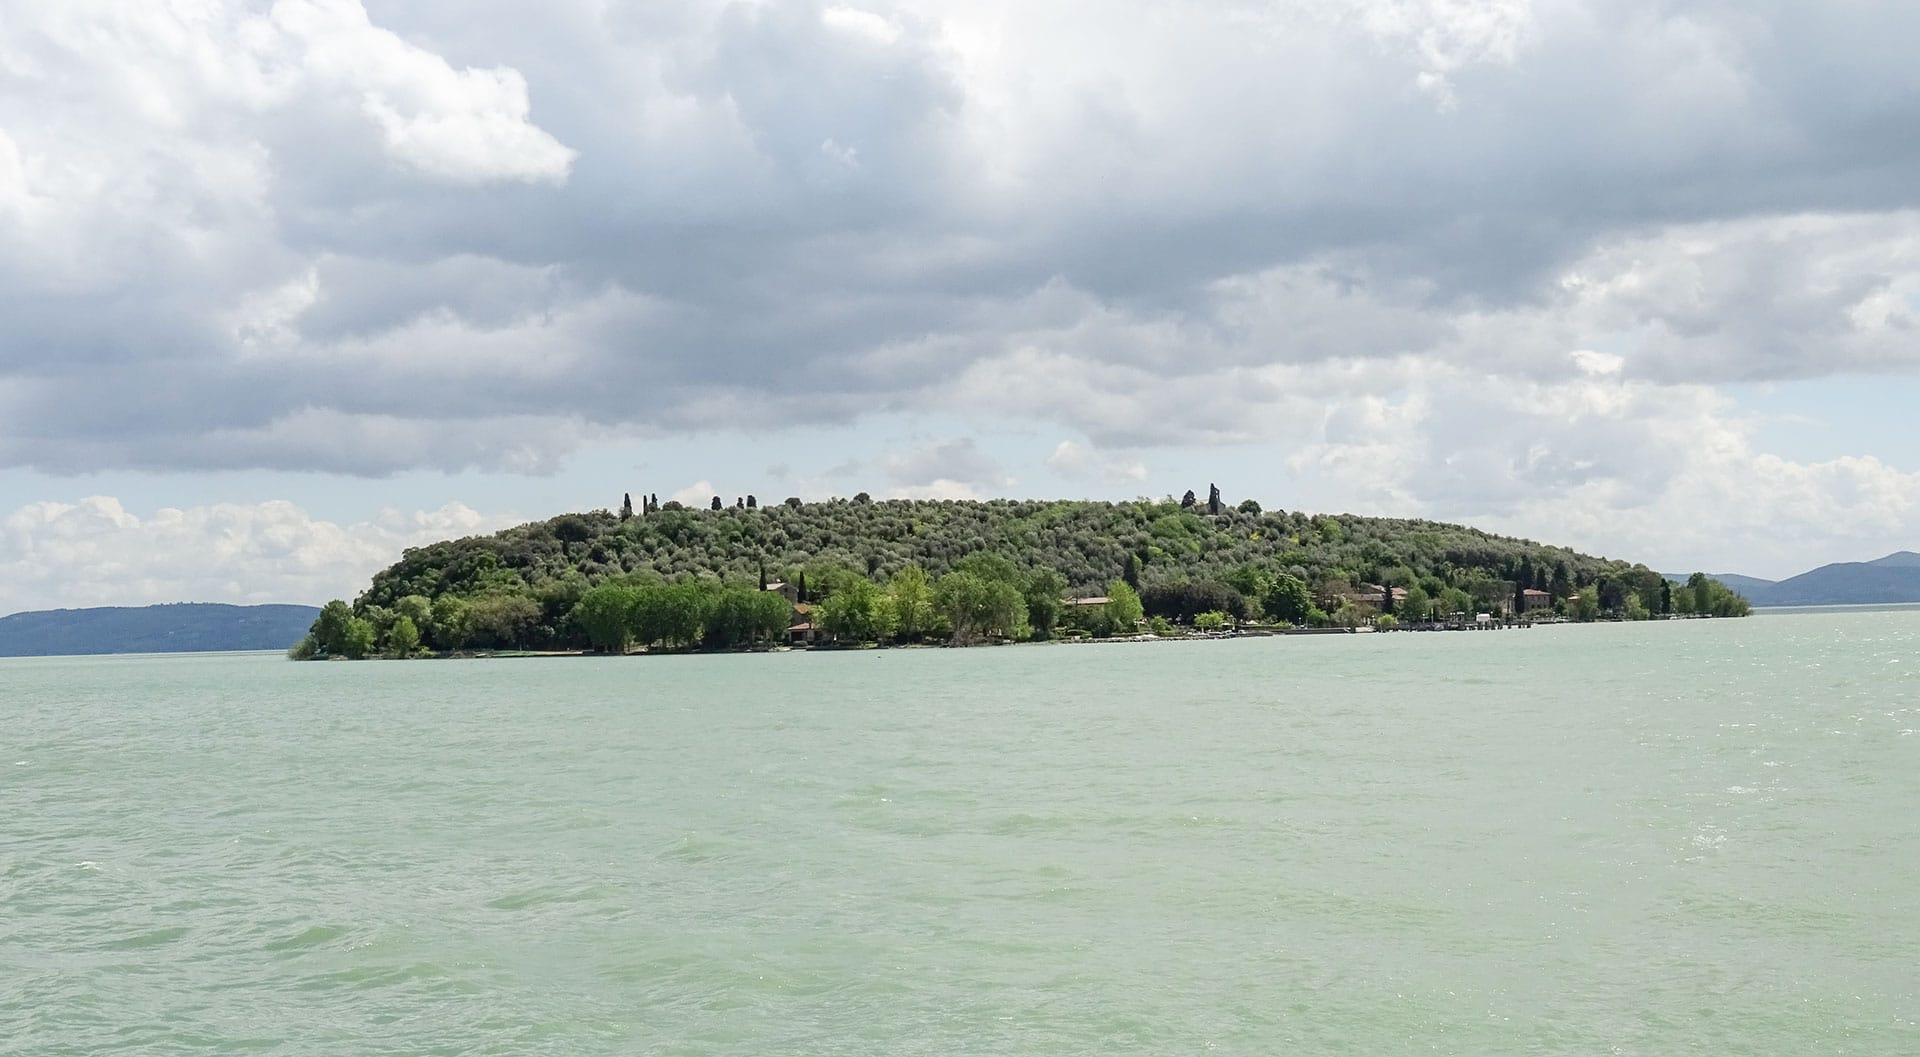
[857, 609]
[502, 621]
[1213, 500]
[1123, 611]
[1666, 597]
[1586, 605]
[359, 638]
[1249, 506]
[605, 614]
[1287, 599]
[329, 629]
[741, 616]
[912, 598]
[1702, 589]
[752, 503]
[1211, 620]
[1418, 605]
[979, 608]
[403, 638]
[450, 622]
[417, 608]
[793, 502]
[1187, 501]
[670, 614]
[1042, 591]
[1131, 575]
[862, 498]
[626, 505]
[716, 502]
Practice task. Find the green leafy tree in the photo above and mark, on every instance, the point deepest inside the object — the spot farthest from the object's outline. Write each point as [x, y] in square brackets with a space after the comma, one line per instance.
[1287, 599]
[858, 610]
[403, 638]
[977, 608]
[1702, 588]
[1042, 591]
[450, 623]
[912, 598]
[359, 637]
[331, 627]
[1123, 612]
[606, 615]
[502, 621]
[1417, 606]
[1211, 620]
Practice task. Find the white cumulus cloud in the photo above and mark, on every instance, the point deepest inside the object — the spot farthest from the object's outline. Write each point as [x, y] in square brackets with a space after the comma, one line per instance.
[96, 552]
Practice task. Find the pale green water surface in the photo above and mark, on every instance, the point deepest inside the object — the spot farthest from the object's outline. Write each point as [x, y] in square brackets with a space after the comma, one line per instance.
[1689, 838]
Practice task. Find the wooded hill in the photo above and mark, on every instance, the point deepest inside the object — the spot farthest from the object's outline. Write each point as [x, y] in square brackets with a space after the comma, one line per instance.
[1247, 562]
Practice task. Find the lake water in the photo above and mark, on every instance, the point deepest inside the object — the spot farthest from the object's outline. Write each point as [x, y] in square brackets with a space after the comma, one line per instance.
[1697, 837]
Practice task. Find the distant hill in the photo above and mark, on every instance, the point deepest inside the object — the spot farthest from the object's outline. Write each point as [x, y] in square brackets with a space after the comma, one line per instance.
[1892, 579]
[186, 627]
[1750, 586]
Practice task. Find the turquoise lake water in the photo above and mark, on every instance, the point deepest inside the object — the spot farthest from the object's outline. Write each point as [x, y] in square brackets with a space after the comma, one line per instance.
[1694, 837]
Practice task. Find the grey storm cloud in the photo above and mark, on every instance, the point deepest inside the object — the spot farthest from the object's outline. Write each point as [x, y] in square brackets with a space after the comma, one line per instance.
[362, 239]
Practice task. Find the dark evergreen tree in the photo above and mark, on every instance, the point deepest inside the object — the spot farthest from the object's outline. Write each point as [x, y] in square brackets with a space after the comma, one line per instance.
[1666, 597]
[1386, 599]
[752, 503]
[1213, 500]
[1131, 573]
[1187, 501]
[716, 502]
[626, 505]
[763, 574]
[862, 497]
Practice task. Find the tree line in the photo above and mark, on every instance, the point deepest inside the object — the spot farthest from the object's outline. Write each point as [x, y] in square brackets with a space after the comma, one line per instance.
[960, 571]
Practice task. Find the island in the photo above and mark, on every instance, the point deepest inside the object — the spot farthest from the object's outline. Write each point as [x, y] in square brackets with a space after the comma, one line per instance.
[856, 572]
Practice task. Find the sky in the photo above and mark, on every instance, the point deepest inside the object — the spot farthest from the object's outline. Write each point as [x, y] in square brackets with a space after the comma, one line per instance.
[286, 287]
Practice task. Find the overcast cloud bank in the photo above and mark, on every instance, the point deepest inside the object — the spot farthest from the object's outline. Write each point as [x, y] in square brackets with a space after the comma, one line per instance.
[1493, 261]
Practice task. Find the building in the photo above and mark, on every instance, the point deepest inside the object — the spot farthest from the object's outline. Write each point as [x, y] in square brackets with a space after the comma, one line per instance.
[1531, 600]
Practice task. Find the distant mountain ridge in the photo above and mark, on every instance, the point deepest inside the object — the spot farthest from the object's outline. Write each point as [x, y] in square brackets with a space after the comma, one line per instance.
[1890, 580]
[181, 627]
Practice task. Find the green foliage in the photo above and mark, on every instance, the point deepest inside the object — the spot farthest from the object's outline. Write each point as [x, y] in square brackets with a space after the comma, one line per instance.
[1042, 591]
[1123, 612]
[980, 608]
[606, 615]
[743, 616]
[1417, 607]
[912, 598]
[306, 649]
[858, 610]
[403, 637]
[1162, 627]
[329, 631]
[1211, 620]
[358, 639]
[526, 587]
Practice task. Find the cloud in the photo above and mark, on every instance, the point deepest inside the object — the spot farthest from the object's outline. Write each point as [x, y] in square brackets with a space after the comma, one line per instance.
[698, 495]
[96, 552]
[319, 235]
[1083, 462]
[947, 462]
